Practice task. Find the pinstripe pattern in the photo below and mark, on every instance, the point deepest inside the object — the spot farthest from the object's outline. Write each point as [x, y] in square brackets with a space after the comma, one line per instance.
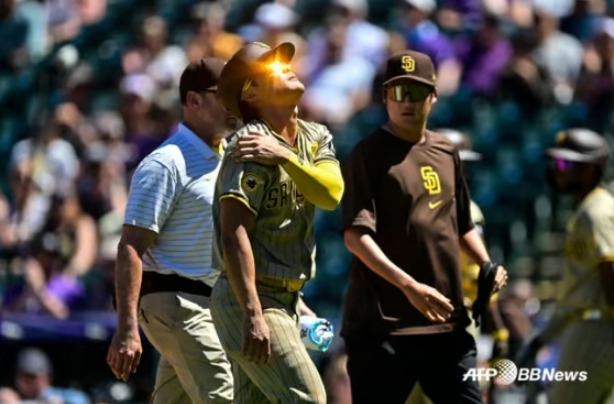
[283, 239]
[290, 376]
[171, 193]
[587, 345]
[590, 239]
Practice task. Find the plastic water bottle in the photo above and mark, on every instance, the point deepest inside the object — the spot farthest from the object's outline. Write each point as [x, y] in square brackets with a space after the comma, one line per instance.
[316, 333]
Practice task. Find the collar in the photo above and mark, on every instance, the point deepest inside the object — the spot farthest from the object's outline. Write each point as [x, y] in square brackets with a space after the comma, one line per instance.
[198, 143]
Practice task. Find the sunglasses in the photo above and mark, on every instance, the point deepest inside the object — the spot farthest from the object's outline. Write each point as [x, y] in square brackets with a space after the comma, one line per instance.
[415, 92]
[561, 165]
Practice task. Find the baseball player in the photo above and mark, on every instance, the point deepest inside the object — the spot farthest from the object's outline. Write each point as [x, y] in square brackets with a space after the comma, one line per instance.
[405, 215]
[163, 269]
[584, 315]
[264, 243]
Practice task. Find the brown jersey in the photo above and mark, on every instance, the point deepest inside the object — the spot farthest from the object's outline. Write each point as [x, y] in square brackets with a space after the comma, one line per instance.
[414, 200]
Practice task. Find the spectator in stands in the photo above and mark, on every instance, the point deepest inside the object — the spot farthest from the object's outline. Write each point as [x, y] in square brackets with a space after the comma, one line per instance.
[33, 383]
[525, 82]
[137, 93]
[62, 252]
[363, 39]
[211, 38]
[342, 86]
[51, 159]
[24, 213]
[484, 57]
[164, 62]
[423, 35]
[276, 22]
[595, 86]
[14, 32]
[560, 53]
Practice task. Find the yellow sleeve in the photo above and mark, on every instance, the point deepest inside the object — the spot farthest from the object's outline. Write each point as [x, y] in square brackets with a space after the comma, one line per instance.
[321, 184]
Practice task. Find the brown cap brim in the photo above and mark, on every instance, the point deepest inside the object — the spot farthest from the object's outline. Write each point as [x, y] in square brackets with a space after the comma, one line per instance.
[410, 77]
[284, 52]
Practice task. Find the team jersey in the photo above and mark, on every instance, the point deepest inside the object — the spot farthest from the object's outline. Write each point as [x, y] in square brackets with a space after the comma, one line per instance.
[413, 200]
[282, 239]
[589, 241]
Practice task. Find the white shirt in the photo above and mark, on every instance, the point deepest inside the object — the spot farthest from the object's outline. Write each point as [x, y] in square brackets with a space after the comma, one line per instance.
[172, 194]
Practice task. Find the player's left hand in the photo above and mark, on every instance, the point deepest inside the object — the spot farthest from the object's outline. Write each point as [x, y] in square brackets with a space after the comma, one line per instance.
[304, 310]
[500, 279]
[258, 148]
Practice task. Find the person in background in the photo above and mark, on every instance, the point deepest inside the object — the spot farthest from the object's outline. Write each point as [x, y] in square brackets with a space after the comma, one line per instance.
[33, 382]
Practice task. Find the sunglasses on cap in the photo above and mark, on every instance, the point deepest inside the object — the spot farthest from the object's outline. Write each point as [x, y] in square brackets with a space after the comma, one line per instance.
[274, 69]
[561, 165]
[415, 92]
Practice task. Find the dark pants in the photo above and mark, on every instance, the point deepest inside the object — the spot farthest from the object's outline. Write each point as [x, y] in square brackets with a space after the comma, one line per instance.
[386, 370]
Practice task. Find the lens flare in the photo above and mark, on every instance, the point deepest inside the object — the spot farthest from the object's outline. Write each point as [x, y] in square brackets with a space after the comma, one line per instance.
[278, 68]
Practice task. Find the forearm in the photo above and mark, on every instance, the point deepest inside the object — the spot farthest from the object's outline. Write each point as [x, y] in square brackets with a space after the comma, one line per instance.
[472, 244]
[495, 321]
[366, 249]
[241, 270]
[128, 277]
[321, 184]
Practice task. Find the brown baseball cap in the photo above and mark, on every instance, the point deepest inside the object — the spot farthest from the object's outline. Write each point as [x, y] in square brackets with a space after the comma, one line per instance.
[411, 65]
[200, 75]
[249, 61]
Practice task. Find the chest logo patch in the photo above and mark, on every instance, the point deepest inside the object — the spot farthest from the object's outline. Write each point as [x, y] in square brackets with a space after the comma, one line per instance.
[313, 149]
[431, 180]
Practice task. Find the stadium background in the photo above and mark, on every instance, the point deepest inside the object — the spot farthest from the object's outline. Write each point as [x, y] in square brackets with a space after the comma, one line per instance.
[88, 87]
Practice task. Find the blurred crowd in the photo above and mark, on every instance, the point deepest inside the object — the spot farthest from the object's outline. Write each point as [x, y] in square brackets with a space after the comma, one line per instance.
[89, 87]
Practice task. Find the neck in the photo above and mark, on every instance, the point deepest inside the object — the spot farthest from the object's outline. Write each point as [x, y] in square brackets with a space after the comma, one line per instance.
[205, 133]
[413, 134]
[581, 194]
[283, 121]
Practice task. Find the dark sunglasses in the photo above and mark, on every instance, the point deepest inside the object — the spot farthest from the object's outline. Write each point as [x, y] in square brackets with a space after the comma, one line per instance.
[561, 165]
[415, 92]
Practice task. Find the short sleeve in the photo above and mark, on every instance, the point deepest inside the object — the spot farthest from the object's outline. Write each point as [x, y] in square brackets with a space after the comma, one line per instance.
[358, 203]
[603, 236]
[326, 148]
[152, 197]
[463, 199]
[246, 182]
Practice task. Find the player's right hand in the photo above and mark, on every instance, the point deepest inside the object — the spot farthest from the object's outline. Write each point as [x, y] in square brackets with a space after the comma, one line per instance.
[124, 353]
[256, 339]
[432, 304]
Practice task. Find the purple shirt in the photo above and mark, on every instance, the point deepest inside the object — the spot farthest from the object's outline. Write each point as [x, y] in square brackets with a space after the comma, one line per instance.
[482, 68]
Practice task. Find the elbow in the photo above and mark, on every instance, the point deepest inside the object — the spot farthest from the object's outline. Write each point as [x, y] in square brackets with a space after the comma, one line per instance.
[333, 197]
[351, 238]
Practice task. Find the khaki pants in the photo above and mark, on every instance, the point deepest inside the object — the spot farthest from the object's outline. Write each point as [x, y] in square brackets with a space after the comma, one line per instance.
[193, 367]
[290, 377]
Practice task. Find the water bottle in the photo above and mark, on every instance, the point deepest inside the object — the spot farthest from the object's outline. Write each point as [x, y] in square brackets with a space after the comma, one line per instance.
[316, 333]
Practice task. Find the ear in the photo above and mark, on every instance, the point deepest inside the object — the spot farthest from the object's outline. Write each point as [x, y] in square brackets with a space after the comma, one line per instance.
[249, 96]
[434, 96]
[193, 99]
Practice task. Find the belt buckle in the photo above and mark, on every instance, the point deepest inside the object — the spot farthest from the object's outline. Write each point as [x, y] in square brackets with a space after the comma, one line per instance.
[294, 285]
